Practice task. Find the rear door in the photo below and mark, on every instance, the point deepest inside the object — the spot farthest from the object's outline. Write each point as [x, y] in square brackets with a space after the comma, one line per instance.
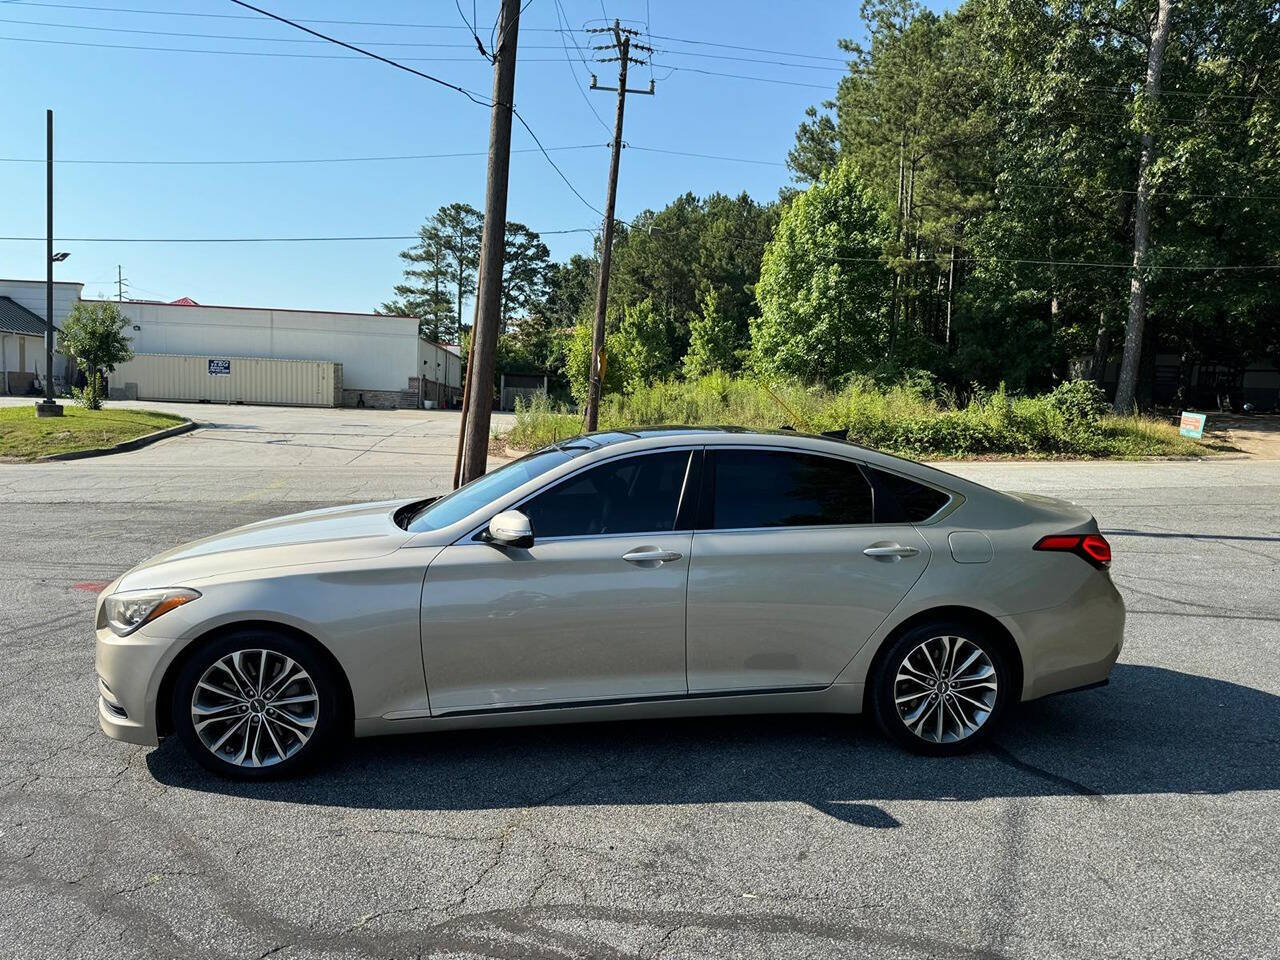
[789, 575]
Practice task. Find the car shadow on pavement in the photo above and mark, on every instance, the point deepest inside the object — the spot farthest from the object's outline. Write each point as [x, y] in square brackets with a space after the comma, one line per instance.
[1151, 731]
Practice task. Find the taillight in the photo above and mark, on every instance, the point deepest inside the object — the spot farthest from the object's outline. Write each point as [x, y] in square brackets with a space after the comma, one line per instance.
[1092, 547]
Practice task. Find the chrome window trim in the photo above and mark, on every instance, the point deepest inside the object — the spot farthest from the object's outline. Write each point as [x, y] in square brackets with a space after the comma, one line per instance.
[953, 502]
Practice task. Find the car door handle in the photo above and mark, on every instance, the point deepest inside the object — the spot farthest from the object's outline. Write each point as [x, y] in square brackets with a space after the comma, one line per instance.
[890, 551]
[650, 556]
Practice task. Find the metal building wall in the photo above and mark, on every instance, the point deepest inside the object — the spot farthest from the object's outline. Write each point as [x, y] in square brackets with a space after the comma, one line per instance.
[441, 368]
[376, 352]
[313, 383]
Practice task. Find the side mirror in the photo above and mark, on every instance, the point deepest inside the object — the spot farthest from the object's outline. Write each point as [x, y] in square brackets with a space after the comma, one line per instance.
[511, 528]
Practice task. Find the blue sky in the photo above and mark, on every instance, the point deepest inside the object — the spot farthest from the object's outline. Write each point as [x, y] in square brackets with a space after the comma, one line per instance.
[155, 105]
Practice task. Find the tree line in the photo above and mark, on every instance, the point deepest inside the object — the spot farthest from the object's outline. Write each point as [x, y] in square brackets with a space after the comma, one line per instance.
[993, 195]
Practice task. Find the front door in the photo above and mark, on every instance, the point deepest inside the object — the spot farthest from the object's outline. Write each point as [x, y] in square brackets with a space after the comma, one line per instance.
[593, 611]
[782, 590]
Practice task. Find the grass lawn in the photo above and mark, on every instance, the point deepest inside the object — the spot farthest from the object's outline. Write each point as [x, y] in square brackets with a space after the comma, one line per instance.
[24, 436]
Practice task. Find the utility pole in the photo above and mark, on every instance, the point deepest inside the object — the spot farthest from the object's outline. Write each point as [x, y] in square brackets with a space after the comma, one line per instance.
[121, 283]
[478, 396]
[622, 44]
[1129, 360]
[48, 407]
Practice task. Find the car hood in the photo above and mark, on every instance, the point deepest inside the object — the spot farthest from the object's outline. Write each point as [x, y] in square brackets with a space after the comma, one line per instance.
[317, 536]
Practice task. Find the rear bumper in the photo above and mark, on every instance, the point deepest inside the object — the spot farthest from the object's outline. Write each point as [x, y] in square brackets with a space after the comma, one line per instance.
[1072, 645]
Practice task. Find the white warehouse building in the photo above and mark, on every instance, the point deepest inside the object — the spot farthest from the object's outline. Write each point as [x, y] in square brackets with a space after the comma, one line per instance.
[189, 351]
[382, 357]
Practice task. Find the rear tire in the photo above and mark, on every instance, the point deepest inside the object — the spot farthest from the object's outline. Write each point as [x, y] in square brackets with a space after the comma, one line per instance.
[257, 705]
[941, 688]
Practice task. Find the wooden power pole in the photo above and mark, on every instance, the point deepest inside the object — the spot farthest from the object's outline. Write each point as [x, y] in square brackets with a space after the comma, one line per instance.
[478, 396]
[1132, 355]
[623, 45]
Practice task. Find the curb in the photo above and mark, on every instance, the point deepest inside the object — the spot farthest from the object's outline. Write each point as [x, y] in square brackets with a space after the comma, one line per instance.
[136, 443]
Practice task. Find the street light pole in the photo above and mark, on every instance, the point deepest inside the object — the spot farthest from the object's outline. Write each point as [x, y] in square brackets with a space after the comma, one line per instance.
[49, 406]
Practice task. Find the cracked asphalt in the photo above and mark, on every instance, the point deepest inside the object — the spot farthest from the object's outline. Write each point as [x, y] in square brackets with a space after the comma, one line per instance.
[1139, 820]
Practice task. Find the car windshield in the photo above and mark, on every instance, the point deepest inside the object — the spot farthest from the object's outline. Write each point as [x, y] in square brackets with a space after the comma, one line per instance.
[482, 490]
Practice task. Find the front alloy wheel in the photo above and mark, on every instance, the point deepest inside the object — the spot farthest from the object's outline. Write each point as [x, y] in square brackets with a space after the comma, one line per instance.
[940, 688]
[255, 708]
[253, 705]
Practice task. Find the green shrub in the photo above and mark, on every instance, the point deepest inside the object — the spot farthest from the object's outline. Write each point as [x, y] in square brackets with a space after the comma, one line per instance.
[1080, 401]
[915, 418]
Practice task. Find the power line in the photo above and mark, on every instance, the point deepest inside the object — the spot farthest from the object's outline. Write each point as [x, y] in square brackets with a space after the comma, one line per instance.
[529, 130]
[703, 156]
[734, 46]
[471, 25]
[300, 160]
[671, 68]
[257, 53]
[479, 44]
[236, 16]
[562, 19]
[739, 76]
[474, 96]
[1167, 192]
[666, 51]
[514, 112]
[239, 36]
[591, 230]
[563, 29]
[1091, 264]
[316, 239]
[478, 99]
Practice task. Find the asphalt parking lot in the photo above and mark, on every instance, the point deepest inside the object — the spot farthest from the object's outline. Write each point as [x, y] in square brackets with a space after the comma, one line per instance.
[1139, 820]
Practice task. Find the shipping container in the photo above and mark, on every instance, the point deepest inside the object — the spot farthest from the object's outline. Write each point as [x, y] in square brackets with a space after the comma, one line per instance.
[157, 376]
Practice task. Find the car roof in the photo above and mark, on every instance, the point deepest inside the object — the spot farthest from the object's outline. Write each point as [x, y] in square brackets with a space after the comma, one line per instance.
[704, 434]
[600, 445]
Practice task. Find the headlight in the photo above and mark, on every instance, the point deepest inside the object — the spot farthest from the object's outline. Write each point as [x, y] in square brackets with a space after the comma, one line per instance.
[126, 612]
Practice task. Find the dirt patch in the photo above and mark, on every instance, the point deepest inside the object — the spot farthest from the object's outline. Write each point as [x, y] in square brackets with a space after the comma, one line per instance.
[1257, 436]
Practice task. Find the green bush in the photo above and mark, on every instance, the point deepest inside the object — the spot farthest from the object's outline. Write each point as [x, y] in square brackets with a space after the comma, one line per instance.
[1080, 401]
[914, 418]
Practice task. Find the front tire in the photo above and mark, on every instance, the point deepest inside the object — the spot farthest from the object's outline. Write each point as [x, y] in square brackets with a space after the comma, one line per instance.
[941, 688]
[255, 705]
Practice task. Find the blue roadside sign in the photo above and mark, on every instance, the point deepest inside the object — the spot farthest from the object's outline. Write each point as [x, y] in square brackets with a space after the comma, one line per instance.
[219, 368]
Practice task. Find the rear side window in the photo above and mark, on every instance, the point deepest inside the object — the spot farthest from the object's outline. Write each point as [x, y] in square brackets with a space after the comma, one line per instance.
[630, 495]
[777, 488]
[899, 500]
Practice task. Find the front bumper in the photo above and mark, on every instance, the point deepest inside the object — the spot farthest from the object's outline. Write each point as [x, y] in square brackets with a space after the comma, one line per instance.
[130, 669]
[1072, 645]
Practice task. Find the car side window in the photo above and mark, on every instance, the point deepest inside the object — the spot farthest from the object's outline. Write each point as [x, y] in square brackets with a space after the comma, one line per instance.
[782, 488]
[639, 494]
[899, 500]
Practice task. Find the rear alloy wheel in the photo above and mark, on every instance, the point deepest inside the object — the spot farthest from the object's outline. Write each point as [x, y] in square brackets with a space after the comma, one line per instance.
[941, 688]
[257, 705]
